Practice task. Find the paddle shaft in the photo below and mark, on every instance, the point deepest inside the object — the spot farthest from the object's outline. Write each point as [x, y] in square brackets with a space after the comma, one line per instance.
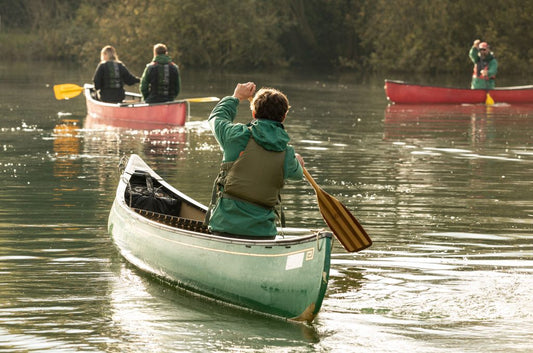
[70, 90]
[311, 180]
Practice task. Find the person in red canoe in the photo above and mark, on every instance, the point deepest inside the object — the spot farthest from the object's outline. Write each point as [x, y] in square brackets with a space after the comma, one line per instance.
[160, 81]
[110, 76]
[485, 66]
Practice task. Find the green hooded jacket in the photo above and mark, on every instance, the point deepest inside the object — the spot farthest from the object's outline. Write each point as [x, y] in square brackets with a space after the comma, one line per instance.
[236, 216]
[490, 60]
[157, 88]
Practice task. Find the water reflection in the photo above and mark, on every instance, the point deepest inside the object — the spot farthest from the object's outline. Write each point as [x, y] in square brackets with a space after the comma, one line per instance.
[477, 122]
[142, 308]
[154, 139]
[66, 148]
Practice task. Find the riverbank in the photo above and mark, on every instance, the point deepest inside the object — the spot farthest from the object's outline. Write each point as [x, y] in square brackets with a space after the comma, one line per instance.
[15, 45]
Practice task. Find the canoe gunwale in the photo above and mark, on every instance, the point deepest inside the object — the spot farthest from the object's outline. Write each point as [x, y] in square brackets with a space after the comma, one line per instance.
[88, 87]
[281, 239]
[504, 88]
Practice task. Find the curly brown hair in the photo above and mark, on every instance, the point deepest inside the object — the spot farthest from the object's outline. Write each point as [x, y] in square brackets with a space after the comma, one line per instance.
[270, 104]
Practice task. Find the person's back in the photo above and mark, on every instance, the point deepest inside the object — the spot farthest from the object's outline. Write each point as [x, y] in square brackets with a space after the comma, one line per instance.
[161, 80]
[257, 160]
[110, 77]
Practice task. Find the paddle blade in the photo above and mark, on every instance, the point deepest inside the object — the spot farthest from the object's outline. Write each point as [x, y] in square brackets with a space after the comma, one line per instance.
[489, 100]
[202, 99]
[66, 91]
[342, 223]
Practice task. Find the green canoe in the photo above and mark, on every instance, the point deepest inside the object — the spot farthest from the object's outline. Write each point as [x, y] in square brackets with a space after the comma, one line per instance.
[160, 230]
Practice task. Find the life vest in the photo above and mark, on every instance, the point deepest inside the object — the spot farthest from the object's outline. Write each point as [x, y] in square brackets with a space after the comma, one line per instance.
[161, 85]
[256, 176]
[481, 65]
[112, 75]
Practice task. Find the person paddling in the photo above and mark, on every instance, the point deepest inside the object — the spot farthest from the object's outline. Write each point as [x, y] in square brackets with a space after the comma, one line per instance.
[485, 66]
[257, 160]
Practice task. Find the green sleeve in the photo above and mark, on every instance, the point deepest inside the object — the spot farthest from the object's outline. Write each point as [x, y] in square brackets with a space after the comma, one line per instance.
[493, 68]
[221, 118]
[474, 54]
[293, 168]
[144, 87]
[178, 82]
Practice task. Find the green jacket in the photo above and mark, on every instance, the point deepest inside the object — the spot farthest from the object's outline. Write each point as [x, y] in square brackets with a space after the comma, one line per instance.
[490, 61]
[156, 86]
[236, 216]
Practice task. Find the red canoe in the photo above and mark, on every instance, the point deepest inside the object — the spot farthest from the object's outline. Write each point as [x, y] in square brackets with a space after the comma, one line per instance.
[403, 93]
[132, 110]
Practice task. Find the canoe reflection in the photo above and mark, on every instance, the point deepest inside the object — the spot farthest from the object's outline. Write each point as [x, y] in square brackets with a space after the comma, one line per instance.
[430, 121]
[139, 301]
[152, 139]
[66, 148]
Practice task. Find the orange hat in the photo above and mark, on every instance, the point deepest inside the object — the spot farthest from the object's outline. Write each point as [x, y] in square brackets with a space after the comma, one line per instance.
[483, 45]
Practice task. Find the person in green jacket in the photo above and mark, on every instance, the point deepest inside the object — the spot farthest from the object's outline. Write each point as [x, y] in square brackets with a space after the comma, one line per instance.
[485, 66]
[257, 160]
[161, 80]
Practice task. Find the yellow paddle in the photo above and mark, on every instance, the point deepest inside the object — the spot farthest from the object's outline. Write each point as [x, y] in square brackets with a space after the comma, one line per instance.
[67, 91]
[70, 90]
[489, 100]
[342, 223]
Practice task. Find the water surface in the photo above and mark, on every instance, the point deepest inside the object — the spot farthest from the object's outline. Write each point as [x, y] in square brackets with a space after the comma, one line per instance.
[445, 193]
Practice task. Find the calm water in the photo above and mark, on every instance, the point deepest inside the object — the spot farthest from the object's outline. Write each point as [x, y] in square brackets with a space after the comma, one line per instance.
[445, 192]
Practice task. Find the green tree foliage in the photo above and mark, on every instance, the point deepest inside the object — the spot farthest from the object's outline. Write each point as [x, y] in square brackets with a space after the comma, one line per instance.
[198, 33]
[435, 35]
[380, 35]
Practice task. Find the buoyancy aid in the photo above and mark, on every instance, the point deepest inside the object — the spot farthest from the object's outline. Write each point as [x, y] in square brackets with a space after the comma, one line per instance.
[481, 65]
[112, 75]
[256, 176]
[162, 83]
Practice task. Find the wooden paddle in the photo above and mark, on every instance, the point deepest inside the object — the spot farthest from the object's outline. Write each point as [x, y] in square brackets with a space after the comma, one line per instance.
[70, 90]
[342, 223]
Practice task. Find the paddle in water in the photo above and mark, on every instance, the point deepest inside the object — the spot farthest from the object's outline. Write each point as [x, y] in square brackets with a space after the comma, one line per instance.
[342, 223]
[489, 100]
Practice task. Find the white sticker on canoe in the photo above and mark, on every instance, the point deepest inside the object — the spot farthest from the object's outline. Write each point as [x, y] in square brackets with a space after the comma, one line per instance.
[294, 261]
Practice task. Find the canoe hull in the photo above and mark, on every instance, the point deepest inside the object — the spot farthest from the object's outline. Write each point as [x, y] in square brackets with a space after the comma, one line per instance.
[173, 113]
[402, 93]
[285, 278]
